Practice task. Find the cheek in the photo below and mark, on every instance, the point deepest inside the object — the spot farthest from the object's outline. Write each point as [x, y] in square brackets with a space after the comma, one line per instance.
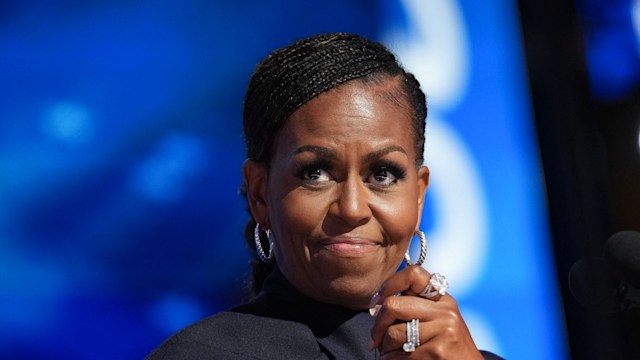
[297, 212]
[399, 217]
[294, 216]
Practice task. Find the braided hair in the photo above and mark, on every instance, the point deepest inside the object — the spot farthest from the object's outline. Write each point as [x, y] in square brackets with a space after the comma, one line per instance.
[291, 76]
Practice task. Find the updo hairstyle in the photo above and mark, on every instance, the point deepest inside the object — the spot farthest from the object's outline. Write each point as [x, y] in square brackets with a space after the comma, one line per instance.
[291, 76]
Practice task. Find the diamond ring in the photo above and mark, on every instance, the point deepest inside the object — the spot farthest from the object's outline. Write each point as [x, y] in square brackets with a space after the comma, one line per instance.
[413, 336]
[437, 285]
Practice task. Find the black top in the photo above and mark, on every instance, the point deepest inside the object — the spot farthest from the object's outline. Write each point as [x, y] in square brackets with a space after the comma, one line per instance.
[280, 323]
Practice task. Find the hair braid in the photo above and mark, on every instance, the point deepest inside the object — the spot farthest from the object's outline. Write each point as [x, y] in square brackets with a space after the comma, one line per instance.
[291, 76]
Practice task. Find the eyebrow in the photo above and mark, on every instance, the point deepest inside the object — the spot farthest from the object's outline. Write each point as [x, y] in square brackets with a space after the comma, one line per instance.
[328, 153]
[382, 152]
[318, 150]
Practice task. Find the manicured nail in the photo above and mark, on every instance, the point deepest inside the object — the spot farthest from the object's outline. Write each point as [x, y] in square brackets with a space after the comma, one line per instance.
[374, 299]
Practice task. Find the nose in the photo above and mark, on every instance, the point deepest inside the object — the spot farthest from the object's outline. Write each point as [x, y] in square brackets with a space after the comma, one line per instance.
[353, 204]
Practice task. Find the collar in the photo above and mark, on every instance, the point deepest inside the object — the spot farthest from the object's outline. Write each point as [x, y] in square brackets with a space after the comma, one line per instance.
[343, 332]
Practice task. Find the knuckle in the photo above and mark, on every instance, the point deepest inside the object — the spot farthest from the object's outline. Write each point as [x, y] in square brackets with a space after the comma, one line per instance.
[395, 332]
[453, 315]
[393, 340]
[417, 272]
[390, 302]
[451, 327]
[450, 332]
[450, 302]
[438, 351]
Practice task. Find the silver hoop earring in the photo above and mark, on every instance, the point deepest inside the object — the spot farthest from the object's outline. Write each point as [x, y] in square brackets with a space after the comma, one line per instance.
[264, 257]
[423, 250]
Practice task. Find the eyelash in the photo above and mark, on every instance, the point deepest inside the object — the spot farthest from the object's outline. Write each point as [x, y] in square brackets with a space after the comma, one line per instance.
[394, 169]
[303, 170]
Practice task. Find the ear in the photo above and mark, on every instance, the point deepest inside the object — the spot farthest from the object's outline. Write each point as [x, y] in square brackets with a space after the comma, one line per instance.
[423, 184]
[255, 181]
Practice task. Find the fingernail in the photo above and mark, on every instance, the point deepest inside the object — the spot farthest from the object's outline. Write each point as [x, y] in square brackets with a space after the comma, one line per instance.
[371, 345]
[374, 310]
[374, 299]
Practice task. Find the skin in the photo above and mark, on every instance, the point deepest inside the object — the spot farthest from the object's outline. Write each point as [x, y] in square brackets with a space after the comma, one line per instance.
[343, 198]
[443, 332]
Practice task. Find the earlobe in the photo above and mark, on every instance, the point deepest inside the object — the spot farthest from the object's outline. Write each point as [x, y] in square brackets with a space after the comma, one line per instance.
[255, 182]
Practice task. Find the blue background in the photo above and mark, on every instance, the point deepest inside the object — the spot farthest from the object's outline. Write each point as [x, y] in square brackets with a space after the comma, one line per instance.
[120, 158]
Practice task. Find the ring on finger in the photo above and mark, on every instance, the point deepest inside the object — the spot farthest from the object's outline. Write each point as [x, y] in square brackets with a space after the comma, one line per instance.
[437, 285]
[413, 336]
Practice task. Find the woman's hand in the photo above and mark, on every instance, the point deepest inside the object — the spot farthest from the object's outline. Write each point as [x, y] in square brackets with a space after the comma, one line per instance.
[442, 331]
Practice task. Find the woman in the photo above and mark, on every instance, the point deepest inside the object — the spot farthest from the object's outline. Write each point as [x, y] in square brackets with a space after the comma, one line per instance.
[334, 131]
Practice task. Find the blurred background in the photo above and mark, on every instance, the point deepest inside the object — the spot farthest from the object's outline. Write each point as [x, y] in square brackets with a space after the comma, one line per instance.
[121, 152]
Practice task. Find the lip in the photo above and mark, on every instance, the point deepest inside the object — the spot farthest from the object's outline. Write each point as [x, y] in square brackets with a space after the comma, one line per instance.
[349, 246]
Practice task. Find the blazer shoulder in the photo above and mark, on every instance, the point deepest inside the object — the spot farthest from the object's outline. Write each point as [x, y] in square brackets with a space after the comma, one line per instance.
[241, 336]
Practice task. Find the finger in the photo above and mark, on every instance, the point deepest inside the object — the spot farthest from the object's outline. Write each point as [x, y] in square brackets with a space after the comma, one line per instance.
[436, 287]
[411, 281]
[444, 345]
[445, 336]
[405, 308]
[396, 336]
[407, 281]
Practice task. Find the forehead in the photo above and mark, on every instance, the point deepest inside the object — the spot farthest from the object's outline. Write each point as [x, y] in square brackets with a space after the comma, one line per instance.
[353, 113]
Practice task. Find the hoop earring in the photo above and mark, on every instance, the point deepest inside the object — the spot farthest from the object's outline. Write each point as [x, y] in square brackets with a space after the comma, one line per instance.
[423, 250]
[264, 257]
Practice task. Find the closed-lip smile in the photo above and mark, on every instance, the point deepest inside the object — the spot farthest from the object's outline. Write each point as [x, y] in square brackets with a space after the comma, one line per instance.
[348, 246]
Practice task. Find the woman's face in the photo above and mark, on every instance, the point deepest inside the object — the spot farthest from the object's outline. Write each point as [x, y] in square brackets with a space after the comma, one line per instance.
[342, 194]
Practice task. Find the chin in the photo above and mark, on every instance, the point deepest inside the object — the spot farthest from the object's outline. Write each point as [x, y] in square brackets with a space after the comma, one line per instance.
[352, 291]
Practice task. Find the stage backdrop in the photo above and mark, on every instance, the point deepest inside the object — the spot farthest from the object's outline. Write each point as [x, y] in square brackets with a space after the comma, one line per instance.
[121, 150]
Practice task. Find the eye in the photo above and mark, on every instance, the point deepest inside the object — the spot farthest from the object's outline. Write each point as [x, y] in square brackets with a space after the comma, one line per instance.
[316, 174]
[386, 175]
[383, 176]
